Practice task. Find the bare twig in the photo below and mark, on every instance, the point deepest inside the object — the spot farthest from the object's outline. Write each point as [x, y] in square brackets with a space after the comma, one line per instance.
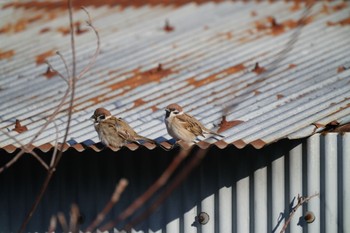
[119, 189]
[56, 71]
[160, 182]
[71, 89]
[64, 63]
[53, 224]
[98, 48]
[55, 148]
[25, 149]
[12, 161]
[62, 220]
[74, 216]
[301, 201]
[40, 160]
[177, 181]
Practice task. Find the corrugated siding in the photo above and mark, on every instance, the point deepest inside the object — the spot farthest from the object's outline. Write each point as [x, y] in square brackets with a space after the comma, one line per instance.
[241, 190]
[207, 63]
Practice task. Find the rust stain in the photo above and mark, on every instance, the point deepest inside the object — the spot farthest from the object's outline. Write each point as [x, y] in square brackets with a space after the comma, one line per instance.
[34, 18]
[139, 102]
[14, 27]
[296, 6]
[95, 99]
[239, 143]
[62, 5]
[225, 125]
[269, 25]
[325, 9]
[279, 96]
[154, 108]
[276, 28]
[342, 128]
[63, 30]
[20, 25]
[292, 65]
[44, 30]
[340, 69]
[167, 27]
[272, 27]
[49, 73]
[211, 78]
[229, 35]
[141, 78]
[258, 69]
[19, 128]
[340, 6]
[226, 35]
[256, 92]
[318, 125]
[6, 54]
[77, 29]
[138, 78]
[258, 144]
[342, 22]
[41, 58]
[331, 126]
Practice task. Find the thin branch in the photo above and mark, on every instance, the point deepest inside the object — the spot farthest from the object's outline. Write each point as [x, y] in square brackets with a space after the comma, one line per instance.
[74, 216]
[64, 62]
[53, 224]
[12, 161]
[53, 159]
[198, 157]
[52, 169]
[160, 182]
[98, 48]
[73, 81]
[119, 189]
[301, 201]
[71, 90]
[56, 71]
[25, 149]
[40, 160]
[62, 219]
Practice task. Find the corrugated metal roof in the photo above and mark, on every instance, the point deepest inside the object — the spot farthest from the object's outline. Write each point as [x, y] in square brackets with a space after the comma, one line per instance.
[207, 66]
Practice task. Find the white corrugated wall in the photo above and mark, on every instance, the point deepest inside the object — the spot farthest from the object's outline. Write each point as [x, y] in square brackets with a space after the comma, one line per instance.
[242, 190]
[260, 201]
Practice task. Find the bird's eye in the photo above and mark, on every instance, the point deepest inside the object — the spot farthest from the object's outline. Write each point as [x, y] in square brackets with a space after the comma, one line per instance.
[176, 112]
[101, 117]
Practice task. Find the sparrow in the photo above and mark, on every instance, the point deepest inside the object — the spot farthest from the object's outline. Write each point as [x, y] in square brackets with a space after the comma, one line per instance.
[184, 127]
[114, 132]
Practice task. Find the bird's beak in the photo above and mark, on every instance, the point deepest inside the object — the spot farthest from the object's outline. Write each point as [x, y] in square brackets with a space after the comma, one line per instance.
[167, 113]
[92, 118]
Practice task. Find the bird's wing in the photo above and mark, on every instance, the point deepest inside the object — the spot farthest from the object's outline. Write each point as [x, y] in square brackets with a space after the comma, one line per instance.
[124, 130]
[191, 124]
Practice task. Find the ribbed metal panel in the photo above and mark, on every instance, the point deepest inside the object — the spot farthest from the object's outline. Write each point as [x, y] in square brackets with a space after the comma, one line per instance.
[243, 190]
[209, 57]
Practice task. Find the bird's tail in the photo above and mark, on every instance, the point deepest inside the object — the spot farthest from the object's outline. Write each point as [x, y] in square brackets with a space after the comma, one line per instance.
[139, 137]
[214, 133]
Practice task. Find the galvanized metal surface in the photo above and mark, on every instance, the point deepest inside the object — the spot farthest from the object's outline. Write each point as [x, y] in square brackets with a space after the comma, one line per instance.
[207, 62]
[241, 190]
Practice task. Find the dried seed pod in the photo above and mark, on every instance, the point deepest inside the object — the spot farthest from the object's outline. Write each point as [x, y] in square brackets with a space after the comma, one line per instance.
[203, 218]
[309, 217]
